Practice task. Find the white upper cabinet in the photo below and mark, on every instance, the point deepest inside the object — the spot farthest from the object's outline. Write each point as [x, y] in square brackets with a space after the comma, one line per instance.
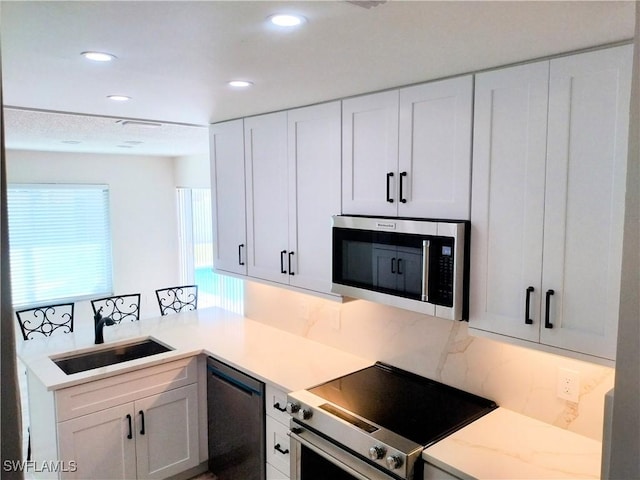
[370, 154]
[265, 145]
[293, 188]
[587, 145]
[550, 143]
[314, 193]
[407, 152]
[434, 161]
[228, 196]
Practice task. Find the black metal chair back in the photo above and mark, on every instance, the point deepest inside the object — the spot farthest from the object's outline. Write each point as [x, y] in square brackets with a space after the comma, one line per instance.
[46, 320]
[177, 299]
[118, 307]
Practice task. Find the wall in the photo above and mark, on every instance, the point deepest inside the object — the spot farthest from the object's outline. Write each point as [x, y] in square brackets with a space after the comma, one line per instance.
[625, 442]
[143, 215]
[192, 171]
[517, 378]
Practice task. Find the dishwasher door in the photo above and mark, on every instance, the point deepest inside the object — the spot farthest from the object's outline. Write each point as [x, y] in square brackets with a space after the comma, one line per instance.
[236, 422]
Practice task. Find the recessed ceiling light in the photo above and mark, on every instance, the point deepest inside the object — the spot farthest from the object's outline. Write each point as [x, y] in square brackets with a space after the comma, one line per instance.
[98, 56]
[287, 20]
[119, 98]
[240, 83]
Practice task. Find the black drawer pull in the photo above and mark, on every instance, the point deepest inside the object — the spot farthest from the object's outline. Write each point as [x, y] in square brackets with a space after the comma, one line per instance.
[279, 449]
[278, 407]
[240, 247]
[290, 269]
[547, 322]
[130, 436]
[282, 254]
[527, 306]
[389, 177]
[142, 418]
[402, 175]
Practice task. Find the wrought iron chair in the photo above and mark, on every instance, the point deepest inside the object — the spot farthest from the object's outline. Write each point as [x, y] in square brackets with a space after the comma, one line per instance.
[118, 307]
[177, 299]
[46, 320]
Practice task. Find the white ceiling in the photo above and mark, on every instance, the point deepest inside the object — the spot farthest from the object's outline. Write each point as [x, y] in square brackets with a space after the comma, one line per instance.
[175, 57]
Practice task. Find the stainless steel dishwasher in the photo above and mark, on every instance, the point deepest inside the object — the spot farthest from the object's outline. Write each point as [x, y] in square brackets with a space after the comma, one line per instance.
[236, 422]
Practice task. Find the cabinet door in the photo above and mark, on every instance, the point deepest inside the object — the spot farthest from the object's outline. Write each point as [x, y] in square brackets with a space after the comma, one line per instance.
[267, 196]
[584, 212]
[435, 149]
[384, 267]
[314, 192]
[508, 199]
[369, 154]
[228, 196]
[102, 444]
[170, 442]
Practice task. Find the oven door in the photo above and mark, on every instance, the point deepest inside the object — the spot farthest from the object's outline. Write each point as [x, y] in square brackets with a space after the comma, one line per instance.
[315, 458]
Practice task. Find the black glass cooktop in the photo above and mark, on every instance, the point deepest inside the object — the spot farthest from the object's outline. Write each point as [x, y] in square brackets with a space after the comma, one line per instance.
[417, 408]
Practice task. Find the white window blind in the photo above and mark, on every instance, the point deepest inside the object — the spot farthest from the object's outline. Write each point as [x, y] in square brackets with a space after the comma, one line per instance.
[196, 253]
[59, 242]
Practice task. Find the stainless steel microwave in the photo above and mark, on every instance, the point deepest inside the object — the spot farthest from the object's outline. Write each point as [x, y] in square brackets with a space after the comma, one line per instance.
[419, 265]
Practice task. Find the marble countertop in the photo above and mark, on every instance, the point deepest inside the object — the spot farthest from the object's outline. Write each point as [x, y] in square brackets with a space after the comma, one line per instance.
[271, 355]
[507, 445]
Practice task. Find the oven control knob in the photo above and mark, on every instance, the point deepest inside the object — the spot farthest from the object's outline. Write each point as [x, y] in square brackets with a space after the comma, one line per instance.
[393, 462]
[292, 408]
[376, 452]
[304, 414]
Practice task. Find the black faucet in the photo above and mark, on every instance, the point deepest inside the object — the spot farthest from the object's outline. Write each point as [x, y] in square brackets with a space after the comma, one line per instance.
[100, 322]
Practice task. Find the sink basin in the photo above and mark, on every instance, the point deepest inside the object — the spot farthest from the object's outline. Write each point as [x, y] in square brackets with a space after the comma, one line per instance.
[109, 356]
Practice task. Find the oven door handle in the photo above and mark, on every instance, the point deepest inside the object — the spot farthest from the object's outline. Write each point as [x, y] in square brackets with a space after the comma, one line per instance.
[333, 454]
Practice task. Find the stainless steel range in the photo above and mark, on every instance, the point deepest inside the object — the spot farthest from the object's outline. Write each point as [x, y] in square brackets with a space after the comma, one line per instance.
[374, 424]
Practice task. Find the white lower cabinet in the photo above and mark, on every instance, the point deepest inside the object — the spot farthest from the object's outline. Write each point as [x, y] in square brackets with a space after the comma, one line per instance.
[139, 425]
[432, 472]
[154, 437]
[277, 439]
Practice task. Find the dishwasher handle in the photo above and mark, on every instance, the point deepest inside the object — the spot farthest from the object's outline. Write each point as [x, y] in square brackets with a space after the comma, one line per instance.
[232, 381]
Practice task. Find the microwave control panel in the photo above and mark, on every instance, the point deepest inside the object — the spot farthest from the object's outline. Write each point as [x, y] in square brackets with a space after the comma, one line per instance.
[441, 275]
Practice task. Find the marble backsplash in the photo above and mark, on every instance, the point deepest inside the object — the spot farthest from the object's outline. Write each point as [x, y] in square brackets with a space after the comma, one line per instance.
[517, 378]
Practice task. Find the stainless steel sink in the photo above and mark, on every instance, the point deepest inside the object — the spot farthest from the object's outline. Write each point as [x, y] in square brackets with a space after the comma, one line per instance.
[81, 362]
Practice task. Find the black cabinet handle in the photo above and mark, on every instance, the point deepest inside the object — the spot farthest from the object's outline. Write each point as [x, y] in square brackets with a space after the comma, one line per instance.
[527, 305]
[402, 175]
[142, 418]
[130, 436]
[240, 247]
[393, 265]
[279, 448]
[278, 407]
[290, 269]
[282, 254]
[399, 266]
[547, 323]
[389, 176]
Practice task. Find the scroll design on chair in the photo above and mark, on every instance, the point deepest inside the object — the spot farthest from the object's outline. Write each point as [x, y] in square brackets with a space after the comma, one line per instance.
[118, 307]
[46, 320]
[177, 299]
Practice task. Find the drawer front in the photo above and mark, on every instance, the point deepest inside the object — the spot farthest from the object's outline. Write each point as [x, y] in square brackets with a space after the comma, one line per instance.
[278, 445]
[274, 474]
[275, 402]
[108, 392]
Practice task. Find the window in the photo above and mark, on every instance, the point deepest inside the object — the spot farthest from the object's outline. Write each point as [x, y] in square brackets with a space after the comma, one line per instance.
[196, 253]
[59, 242]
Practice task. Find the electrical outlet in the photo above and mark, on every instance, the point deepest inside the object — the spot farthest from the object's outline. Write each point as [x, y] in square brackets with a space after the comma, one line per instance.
[568, 384]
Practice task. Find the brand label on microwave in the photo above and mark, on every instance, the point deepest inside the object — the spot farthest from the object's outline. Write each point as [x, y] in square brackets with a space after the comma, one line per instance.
[386, 225]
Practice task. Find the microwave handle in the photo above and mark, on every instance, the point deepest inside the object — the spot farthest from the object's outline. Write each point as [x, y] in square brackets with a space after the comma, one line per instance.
[425, 270]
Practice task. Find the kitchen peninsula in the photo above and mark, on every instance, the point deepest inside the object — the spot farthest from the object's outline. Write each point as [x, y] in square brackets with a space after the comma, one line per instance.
[283, 361]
